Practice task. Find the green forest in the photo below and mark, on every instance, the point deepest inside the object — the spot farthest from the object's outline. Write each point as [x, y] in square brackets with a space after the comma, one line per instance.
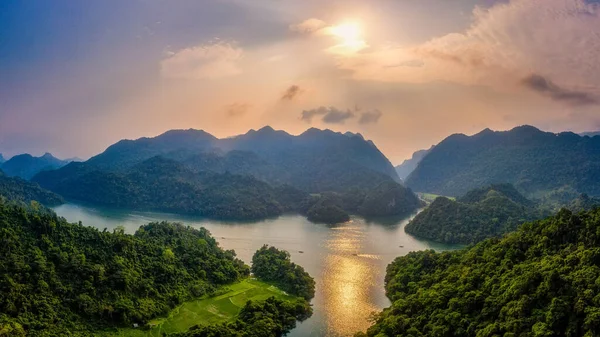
[532, 160]
[17, 189]
[481, 213]
[541, 280]
[60, 278]
[272, 265]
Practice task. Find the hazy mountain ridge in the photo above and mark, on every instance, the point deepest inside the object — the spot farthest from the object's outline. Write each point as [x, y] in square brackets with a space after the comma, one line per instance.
[405, 169]
[259, 174]
[315, 161]
[26, 166]
[532, 160]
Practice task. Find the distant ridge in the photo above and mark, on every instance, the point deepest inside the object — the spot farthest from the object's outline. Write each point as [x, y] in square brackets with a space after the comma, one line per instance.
[26, 166]
[405, 169]
[590, 134]
[314, 160]
[259, 174]
[532, 160]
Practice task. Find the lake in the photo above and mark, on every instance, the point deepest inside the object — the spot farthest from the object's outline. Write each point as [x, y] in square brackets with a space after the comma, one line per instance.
[348, 261]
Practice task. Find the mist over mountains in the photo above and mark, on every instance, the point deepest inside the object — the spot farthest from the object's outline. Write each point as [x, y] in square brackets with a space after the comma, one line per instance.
[259, 174]
[405, 169]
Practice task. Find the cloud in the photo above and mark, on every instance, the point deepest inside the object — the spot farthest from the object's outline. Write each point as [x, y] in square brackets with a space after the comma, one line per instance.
[308, 26]
[330, 115]
[237, 109]
[209, 61]
[545, 87]
[557, 38]
[291, 93]
[370, 117]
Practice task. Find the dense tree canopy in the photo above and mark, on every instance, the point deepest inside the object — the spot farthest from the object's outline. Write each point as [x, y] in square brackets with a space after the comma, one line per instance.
[532, 160]
[165, 185]
[541, 280]
[481, 213]
[327, 208]
[58, 278]
[17, 189]
[272, 265]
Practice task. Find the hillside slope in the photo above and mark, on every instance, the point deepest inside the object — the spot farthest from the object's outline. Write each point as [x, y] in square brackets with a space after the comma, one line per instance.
[62, 279]
[532, 160]
[541, 280]
[481, 213]
[315, 161]
[17, 189]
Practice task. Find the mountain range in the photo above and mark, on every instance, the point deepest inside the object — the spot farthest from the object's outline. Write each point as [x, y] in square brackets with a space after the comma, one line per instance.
[315, 161]
[535, 162]
[26, 166]
[258, 174]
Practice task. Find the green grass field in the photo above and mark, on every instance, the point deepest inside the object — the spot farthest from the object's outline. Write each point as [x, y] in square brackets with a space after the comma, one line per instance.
[428, 197]
[210, 310]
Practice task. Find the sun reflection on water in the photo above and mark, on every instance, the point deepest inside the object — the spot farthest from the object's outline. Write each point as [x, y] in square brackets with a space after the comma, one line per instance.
[348, 277]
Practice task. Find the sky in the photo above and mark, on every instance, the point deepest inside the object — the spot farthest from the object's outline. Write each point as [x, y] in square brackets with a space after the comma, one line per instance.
[77, 76]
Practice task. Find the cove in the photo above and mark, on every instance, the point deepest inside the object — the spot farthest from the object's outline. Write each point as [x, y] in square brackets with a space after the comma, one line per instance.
[348, 261]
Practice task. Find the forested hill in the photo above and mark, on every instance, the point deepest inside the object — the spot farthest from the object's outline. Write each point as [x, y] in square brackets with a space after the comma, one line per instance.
[315, 161]
[259, 174]
[532, 160]
[26, 165]
[541, 280]
[481, 213]
[17, 189]
[67, 279]
[162, 184]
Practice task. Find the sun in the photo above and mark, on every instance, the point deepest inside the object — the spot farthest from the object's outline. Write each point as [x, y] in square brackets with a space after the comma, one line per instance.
[350, 35]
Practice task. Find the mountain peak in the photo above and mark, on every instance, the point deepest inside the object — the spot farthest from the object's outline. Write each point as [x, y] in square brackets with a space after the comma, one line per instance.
[526, 129]
[484, 132]
[266, 129]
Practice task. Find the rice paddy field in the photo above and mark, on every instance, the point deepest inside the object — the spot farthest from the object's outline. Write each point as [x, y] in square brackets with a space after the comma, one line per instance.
[211, 310]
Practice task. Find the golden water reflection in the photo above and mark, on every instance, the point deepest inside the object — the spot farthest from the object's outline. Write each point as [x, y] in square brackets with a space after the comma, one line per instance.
[348, 277]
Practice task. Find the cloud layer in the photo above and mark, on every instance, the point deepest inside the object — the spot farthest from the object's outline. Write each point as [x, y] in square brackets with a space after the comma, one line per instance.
[556, 39]
[545, 87]
[291, 93]
[333, 115]
[209, 61]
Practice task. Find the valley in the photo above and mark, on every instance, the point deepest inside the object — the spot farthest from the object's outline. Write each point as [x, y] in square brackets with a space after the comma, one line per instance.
[331, 201]
[348, 261]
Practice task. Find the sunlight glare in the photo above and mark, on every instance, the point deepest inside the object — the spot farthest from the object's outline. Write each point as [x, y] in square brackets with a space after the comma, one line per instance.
[350, 35]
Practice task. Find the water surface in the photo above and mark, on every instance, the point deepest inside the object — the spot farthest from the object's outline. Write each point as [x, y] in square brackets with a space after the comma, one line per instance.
[348, 261]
